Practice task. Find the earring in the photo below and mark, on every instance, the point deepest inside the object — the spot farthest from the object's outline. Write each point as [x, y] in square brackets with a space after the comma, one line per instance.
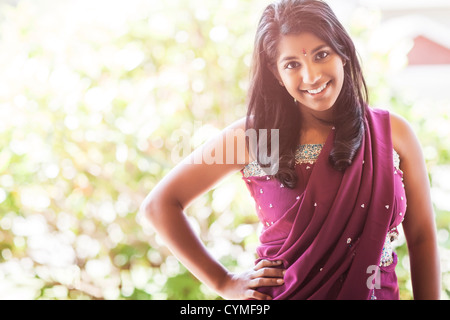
[281, 83]
[295, 100]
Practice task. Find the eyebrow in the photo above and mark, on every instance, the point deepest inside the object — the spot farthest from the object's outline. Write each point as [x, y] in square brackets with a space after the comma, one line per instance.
[313, 51]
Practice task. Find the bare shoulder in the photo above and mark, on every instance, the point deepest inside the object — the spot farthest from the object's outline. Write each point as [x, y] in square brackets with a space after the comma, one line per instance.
[227, 147]
[239, 124]
[235, 137]
[403, 137]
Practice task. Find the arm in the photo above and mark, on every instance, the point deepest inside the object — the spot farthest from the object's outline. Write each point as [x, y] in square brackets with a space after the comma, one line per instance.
[419, 224]
[188, 180]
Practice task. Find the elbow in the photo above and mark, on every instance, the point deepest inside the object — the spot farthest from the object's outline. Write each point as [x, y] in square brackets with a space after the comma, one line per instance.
[149, 209]
[156, 208]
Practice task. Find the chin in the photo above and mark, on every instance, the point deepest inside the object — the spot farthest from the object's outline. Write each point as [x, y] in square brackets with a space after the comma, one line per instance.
[320, 108]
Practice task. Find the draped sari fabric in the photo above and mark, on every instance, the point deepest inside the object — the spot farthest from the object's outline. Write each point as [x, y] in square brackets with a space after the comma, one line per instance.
[330, 232]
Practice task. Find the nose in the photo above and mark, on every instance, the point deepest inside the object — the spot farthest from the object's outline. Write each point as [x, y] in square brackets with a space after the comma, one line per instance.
[310, 73]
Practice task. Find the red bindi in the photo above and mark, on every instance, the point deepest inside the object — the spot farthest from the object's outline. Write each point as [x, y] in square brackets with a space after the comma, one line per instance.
[304, 52]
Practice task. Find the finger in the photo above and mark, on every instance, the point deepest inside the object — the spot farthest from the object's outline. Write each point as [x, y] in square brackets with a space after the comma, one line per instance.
[267, 263]
[269, 273]
[265, 282]
[253, 294]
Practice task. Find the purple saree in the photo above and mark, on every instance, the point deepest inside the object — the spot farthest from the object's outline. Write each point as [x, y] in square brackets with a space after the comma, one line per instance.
[330, 230]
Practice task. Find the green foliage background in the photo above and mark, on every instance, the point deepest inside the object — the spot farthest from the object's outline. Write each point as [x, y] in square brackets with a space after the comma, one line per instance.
[94, 97]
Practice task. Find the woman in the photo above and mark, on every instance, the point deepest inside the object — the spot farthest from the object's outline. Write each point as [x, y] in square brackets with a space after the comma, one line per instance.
[331, 203]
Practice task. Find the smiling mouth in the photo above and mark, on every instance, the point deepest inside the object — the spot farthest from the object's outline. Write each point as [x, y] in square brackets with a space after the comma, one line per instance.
[318, 90]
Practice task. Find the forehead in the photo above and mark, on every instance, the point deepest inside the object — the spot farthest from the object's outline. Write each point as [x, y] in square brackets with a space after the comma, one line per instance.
[293, 44]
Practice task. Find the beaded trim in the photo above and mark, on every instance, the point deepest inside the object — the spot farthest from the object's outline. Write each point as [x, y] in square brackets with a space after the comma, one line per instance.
[386, 255]
[306, 153]
[396, 160]
[253, 169]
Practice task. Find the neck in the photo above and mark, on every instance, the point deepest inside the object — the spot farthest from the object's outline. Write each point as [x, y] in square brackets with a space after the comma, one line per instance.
[316, 118]
[315, 125]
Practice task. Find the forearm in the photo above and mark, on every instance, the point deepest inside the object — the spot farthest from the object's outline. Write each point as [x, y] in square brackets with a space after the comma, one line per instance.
[175, 230]
[425, 270]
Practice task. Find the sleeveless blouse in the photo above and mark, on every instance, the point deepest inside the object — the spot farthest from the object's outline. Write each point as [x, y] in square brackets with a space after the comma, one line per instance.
[272, 203]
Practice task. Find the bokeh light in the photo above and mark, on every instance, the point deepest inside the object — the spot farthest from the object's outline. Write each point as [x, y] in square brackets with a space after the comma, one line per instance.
[95, 97]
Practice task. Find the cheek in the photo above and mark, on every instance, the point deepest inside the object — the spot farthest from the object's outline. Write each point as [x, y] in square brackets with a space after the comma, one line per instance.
[340, 79]
[292, 88]
[339, 76]
[290, 83]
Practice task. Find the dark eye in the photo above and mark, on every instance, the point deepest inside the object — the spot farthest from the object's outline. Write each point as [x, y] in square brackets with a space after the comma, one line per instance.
[322, 55]
[292, 65]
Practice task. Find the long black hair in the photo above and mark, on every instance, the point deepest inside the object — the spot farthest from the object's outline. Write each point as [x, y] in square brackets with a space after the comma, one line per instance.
[270, 106]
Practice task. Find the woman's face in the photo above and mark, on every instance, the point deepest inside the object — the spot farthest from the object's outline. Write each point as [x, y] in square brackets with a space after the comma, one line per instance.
[311, 71]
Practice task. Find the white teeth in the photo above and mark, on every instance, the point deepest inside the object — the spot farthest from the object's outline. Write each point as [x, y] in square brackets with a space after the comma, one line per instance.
[319, 90]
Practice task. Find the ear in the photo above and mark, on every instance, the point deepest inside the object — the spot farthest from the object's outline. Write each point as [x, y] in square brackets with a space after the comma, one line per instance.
[275, 73]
